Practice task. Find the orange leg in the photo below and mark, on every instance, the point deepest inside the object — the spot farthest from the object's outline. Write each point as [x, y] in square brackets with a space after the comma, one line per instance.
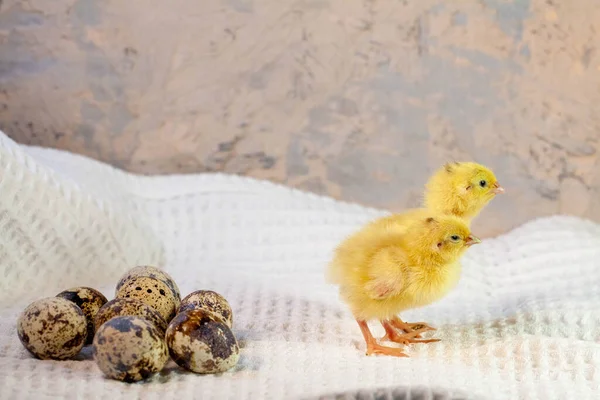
[410, 327]
[375, 348]
[392, 335]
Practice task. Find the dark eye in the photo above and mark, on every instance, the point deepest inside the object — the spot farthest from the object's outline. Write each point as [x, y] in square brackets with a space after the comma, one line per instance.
[454, 237]
[482, 183]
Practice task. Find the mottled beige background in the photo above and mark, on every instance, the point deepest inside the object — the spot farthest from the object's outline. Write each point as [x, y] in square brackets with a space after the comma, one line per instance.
[356, 99]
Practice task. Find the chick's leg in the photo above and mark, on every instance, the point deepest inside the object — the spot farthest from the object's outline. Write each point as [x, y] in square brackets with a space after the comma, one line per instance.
[410, 327]
[375, 348]
[392, 335]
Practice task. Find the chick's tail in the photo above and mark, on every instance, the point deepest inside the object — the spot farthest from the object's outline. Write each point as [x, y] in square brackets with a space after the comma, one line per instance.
[346, 264]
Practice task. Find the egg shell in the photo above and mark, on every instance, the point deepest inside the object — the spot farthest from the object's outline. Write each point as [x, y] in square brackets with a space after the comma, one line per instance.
[208, 300]
[151, 291]
[198, 341]
[130, 307]
[89, 300]
[129, 348]
[52, 328]
[152, 272]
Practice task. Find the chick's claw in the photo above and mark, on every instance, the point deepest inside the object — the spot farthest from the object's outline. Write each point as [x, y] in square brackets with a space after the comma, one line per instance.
[417, 326]
[375, 348]
[413, 336]
[396, 338]
[410, 327]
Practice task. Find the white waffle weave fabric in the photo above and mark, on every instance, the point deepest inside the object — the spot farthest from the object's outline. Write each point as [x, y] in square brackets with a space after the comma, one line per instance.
[524, 322]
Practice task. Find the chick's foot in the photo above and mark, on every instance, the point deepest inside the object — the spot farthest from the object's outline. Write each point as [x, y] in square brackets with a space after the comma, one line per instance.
[414, 336]
[375, 348]
[409, 327]
[388, 351]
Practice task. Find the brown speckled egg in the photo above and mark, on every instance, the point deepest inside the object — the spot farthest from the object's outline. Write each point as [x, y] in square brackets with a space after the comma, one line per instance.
[152, 272]
[89, 300]
[151, 291]
[208, 300]
[200, 342]
[129, 349]
[132, 307]
[52, 328]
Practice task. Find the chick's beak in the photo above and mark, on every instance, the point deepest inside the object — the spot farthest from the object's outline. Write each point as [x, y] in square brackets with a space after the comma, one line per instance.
[497, 188]
[471, 240]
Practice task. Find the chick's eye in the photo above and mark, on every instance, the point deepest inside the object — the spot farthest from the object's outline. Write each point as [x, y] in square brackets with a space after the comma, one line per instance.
[482, 183]
[454, 237]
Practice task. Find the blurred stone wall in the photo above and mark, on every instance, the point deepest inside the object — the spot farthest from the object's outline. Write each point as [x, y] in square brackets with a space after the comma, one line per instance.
[356, 99]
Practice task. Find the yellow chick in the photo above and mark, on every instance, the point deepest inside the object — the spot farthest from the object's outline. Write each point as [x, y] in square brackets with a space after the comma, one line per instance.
[462, 189]
[383, 270]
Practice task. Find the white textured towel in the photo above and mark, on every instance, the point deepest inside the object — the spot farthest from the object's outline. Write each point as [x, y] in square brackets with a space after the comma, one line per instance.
[523, 323]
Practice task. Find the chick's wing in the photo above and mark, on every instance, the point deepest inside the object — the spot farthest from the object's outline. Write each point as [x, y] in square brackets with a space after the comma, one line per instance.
[386, 275]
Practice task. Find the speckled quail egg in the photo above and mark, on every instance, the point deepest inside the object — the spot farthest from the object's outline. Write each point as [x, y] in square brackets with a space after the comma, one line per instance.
[89, 300]
[52, 328]
[200, 342]
[208, 300]
[129, 349]
[132, 307]
[151, 291]
[152, 272]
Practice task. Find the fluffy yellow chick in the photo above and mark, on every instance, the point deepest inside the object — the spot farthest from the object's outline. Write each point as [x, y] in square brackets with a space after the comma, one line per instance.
[383, 270]
[462, 189]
